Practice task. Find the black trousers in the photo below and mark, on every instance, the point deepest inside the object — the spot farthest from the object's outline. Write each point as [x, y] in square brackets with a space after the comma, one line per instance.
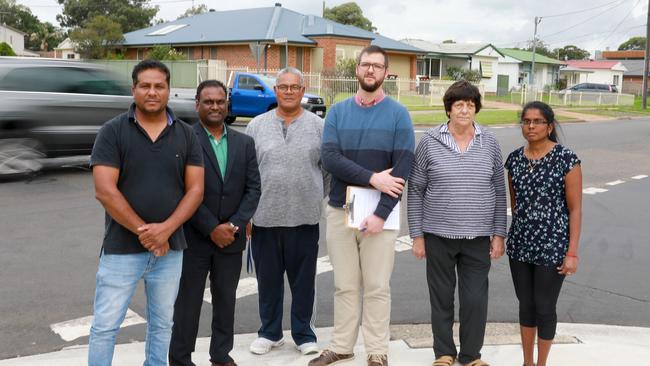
[470, 258]
[224, 270]
[293, 250]
[537, 289]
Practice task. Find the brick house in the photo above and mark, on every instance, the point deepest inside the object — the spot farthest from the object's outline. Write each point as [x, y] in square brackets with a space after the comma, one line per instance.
[261, 37]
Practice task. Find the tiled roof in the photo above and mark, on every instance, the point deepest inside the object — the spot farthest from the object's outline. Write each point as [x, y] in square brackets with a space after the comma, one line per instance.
[255, 25]
[590, 64]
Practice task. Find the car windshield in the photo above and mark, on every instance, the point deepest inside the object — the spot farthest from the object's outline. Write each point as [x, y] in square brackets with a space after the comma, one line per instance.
[268, 80]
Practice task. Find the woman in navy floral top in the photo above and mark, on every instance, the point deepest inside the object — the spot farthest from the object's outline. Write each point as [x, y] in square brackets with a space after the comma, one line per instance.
[545, 184]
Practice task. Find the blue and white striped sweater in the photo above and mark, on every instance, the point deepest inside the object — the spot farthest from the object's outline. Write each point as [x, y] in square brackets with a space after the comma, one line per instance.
[457, 195]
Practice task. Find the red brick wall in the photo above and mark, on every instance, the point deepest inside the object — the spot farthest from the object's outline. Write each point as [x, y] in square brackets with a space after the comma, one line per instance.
[329, 48]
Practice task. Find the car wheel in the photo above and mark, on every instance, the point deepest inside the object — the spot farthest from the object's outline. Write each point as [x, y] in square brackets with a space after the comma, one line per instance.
[230, 119]
[19, 157]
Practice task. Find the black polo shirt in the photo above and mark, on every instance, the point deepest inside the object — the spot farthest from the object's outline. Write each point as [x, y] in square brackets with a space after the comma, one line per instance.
[152, 174]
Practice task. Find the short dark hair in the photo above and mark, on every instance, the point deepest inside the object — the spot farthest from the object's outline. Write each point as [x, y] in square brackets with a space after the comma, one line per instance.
[147, 65]
[548, 114]
[462, 90]
[373, 49]
[211, 83]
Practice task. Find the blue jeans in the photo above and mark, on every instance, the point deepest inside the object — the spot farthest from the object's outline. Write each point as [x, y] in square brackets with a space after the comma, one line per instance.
[117, 277]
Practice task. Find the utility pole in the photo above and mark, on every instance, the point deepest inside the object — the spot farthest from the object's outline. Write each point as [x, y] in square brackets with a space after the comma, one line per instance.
[532, 68]
[645, 61]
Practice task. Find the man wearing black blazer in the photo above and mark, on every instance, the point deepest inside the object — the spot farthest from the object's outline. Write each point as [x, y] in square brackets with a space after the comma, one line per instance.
[215, 233]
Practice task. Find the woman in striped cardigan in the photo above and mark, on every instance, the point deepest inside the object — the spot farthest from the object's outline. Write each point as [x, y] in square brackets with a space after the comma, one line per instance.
[457, 219]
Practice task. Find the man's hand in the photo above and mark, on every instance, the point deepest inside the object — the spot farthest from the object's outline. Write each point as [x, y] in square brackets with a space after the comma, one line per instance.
[418, 248]
[496, 247]
[224, 234]
[162, 250]
[372, 224]
[386, 183]
[154, 236]
[249, 230]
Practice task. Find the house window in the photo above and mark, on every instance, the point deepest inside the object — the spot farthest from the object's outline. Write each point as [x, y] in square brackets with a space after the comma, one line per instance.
[70, 56]
[213, 53]
[140, 54]
[616, 79]
[340, 54]
[486, 69]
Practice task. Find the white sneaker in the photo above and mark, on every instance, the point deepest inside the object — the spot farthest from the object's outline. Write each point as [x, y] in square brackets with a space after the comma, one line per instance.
[262, 345]
[308, 348]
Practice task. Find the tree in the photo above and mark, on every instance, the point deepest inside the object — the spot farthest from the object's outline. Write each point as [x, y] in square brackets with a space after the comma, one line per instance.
[6, 50]
[541, 49]
[161, 52]
[195, 10]
[349, 13]
[129, 14]
[571, 52]
[46, 36]
[40, 36]
[634, 43]
[97, 37]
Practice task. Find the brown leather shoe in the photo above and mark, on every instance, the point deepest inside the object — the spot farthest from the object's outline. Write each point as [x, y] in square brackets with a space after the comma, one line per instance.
[328, 357]
[377, 360]
[229, 363]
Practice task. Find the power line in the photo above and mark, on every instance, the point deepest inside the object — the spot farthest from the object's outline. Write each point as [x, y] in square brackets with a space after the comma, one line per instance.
[581, 11]
[583, 22]
[591, 34]
[621, 22]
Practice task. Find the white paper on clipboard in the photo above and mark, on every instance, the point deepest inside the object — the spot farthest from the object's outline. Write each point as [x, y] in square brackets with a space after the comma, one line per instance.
[361, 202]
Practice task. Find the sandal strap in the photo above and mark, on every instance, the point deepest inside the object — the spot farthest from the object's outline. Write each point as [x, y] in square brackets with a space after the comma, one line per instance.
[443, 361]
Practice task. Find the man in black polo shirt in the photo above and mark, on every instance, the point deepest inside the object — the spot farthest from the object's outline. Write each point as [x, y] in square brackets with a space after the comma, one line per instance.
[148, 174]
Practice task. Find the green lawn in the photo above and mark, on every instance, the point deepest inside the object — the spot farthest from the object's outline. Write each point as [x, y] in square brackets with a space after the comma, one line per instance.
[492, 117]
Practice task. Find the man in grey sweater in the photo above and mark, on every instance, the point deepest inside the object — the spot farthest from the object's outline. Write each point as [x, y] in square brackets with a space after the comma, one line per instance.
[285, 227]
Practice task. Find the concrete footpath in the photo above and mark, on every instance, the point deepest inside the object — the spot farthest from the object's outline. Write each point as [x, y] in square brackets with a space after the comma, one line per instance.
[578, 345]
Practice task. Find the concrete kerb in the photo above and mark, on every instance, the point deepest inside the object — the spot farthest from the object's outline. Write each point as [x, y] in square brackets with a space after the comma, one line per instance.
[587, 345]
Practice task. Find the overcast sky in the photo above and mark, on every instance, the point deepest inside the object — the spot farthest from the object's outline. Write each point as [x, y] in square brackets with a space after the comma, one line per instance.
[593, 24]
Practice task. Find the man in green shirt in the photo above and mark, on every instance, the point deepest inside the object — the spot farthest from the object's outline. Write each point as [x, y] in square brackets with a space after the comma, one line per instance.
[215, 238]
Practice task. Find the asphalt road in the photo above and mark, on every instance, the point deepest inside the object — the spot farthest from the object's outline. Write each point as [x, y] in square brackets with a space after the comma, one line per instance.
[51, 229]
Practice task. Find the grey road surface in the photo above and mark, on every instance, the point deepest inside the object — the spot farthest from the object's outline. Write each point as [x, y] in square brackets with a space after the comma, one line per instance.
[51, 229]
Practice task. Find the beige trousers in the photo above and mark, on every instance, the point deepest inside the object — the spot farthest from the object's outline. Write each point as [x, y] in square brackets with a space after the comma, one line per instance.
[362, 267]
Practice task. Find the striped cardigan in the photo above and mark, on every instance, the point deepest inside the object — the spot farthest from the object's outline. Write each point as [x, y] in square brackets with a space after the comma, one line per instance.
[453, 194]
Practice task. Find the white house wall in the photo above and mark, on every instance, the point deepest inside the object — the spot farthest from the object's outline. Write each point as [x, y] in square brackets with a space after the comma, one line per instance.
[15, 39]
[490, 83]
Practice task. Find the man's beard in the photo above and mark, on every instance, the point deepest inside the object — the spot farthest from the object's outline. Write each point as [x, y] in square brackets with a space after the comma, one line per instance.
[370, 88]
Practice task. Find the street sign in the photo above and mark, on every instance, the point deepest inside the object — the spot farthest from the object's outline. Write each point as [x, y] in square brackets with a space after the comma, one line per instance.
[281, 40]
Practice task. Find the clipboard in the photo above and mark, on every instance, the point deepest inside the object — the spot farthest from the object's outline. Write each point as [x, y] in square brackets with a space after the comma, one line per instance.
[361, 202]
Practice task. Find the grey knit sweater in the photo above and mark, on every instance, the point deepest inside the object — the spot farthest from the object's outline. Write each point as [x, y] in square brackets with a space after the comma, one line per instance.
[453, 194]
[290, 169]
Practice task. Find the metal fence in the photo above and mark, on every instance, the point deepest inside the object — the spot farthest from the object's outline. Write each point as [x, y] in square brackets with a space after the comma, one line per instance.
[571, 98]
[332, 89]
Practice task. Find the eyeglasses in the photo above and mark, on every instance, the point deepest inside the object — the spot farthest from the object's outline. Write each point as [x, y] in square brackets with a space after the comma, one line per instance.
[368, 65]
[535, 122]
[284, 88]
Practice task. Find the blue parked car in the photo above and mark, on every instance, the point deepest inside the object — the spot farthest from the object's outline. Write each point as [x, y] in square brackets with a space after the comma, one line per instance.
[252, 95]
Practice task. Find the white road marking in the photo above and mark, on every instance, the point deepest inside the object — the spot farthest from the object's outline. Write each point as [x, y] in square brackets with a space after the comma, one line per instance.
[616, 182]
[640, 176]
[593, 190]
[248, 286]
[80, 327]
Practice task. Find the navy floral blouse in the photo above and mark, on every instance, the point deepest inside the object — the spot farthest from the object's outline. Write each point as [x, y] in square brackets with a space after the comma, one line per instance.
[539, 232]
